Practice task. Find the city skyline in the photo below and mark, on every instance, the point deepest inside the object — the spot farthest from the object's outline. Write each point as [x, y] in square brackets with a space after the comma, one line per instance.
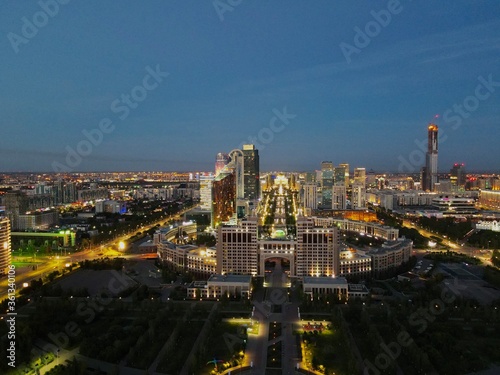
[250, 74]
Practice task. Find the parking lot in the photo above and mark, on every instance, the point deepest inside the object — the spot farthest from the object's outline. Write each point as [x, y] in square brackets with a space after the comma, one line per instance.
[423, 266]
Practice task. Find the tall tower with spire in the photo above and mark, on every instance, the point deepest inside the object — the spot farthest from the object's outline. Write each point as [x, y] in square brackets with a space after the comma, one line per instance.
[430, 171]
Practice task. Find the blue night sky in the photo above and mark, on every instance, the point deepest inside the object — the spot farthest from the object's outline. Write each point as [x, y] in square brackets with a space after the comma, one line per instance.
[228, 78]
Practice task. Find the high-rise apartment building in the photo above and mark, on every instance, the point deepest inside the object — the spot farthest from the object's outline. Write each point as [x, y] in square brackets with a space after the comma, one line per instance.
[223, 197]
[221, 161]
[339, 197]
[358, 197]
[206, 180]
[310, 197]
[339, 175]
[5, 245]
[251, 172]
[317, 249]
[458, 177]
[360, 176]
[326, 183]
[430, 171]
[347, 177]
[237, 248]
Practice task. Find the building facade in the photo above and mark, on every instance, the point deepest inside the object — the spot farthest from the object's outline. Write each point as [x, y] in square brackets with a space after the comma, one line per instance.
[327, 178]
[430, 171]
[206, 181]
[223, 198]
[310, 197]
[38, 220]
[251, 170]
[317, 248]
[339, 201]
[489, 199]
[237, 248]
[5, 245]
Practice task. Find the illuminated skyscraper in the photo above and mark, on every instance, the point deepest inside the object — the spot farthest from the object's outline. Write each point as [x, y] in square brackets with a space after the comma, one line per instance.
[358, 196]
[237, 248]
[221, 161]
[339, 175]
[347, 174]
[326, 184]
[5, 245]
[251, 172]
[457, 177]
[360, 176]
[206, 181]
[223, 197]
[430, 171]
[310, 196]
[339, 197]
[317, 249]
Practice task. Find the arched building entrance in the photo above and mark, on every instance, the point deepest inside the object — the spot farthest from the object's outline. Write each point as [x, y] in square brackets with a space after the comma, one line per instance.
[277, 250]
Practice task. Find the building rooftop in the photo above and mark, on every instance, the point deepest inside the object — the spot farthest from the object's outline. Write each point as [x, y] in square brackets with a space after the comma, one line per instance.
[325, 280]
[231, 278]
[357, 288]
[198, 284]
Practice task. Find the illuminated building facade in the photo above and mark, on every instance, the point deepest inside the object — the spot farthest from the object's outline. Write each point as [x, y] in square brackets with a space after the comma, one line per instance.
[392, 254]
[223, 197]
[5, 245]
[360, 176]
[38, 220]
[339, 197]
[489, 199]
[458, 177]
[347, 175]
[310, 197]
[327, 178]
[317, 249]
[221, 161]
[218, 286]
[358, 197]
[237, 248]
[451, 205]
[206, 181]
[339, 175]
[354, 264]
[430, 171]
[251, 171]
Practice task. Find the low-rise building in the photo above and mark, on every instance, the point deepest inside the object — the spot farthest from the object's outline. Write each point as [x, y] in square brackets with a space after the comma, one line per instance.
[490, 199]
[42, 220]
[391, 254]
[217, 286]
[357, 291]
[325, 285]
[451, 205]
[110, 206]
[354, 264]
[489, 225]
